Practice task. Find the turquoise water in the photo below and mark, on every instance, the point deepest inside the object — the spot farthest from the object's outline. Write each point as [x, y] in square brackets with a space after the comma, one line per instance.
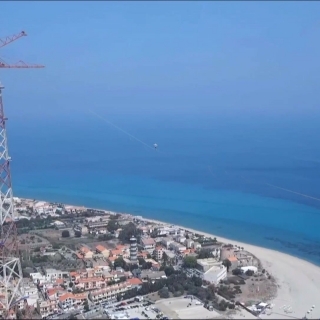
[206, 184]
[272, 223]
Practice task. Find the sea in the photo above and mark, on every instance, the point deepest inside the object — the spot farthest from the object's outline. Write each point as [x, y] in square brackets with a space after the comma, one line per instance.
[254, 180]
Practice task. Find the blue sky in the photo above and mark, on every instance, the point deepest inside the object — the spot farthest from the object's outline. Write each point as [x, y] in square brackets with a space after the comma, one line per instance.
[152, 58]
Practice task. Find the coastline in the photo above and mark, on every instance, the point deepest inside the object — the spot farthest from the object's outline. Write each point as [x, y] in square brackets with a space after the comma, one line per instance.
[298, 280]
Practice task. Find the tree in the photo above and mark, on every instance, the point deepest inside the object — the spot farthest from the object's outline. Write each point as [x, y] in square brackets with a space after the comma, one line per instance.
[119, 263]
[112, 225]
[249, 273]
[189, 262]
[65, 234]
[237, 271]
[128, 231]
[204, 254]
[169, 270]
[77, 234]
[164, 293]
[227, 263]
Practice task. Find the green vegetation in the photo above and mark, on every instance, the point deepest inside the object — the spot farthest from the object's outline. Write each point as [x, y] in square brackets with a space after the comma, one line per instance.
[128, 231]
[176, 284]
[204, 254]
[190, 262]
[105, 237]
[112, 225]
[227, 264]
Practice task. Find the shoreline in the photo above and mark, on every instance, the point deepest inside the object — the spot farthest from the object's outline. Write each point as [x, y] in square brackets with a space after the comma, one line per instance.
[298, 280]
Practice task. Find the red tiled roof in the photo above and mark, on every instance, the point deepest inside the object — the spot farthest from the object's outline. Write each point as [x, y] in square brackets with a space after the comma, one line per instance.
[134, 281]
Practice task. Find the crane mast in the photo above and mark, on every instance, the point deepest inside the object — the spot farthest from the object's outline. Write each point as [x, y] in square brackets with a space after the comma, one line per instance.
[12, 295]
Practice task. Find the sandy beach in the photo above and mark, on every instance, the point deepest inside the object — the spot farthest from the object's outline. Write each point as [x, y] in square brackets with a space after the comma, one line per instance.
[298, 280]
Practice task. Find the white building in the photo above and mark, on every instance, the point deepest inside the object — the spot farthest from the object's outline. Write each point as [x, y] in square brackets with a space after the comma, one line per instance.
[58, 224]
[37, 276]
[166, 242]
[252, 268]
[189, 243]
[209, 270]
[31, 291]
[177, 247]
[53, 274]
[215, 274]
[148, 244]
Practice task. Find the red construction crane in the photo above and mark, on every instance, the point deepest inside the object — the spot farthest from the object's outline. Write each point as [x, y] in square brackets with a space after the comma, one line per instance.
[20, 64]
[9, 39]
[11, 277]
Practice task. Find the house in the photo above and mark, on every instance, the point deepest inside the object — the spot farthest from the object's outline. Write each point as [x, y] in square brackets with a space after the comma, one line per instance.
[102, 250]
[85, 252]
[134, 283]
[148, 244]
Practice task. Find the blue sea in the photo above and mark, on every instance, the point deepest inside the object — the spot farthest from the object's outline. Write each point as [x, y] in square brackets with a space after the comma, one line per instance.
[219, 174]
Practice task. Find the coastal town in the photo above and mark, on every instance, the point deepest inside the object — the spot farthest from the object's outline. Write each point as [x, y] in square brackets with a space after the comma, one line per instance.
[81, 263]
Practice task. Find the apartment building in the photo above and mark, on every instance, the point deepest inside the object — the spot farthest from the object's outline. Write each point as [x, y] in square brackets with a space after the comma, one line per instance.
[47, 307]
[158, 253]
[107, 294]
[148, 244]
[90, 283]
[70, 301]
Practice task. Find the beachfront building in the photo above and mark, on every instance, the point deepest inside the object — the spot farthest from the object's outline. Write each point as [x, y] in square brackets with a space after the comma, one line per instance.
[209, 270]
[212, 270]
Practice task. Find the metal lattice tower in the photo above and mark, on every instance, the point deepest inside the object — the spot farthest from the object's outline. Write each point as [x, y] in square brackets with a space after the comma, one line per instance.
[12, 296]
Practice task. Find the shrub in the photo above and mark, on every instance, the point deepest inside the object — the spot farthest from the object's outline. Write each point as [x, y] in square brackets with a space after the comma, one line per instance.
[65, 234]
